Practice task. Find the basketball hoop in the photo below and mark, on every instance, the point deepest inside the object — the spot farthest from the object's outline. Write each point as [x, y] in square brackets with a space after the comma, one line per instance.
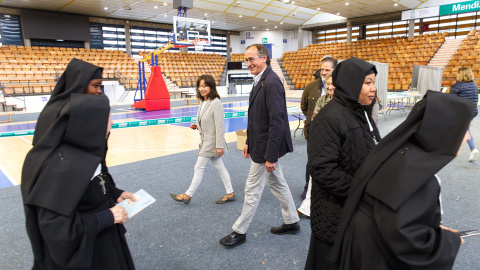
[199, 43]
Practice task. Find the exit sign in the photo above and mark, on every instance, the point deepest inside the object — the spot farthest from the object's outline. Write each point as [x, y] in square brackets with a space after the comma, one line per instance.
[264, 40]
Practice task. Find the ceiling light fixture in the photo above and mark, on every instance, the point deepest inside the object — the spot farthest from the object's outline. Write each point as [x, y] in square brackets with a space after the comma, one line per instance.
[240, 16]
[105, 8]
[338, 13]
[266, 20]
[213, 22]
[281, 22]
[346, 4]
[268, 29]
[165, 15]
[396, 4]
[253, 27]
[165, 3]
[318, 8]
[205, 14]
[275, 26]
[293, 2]
[155, 7]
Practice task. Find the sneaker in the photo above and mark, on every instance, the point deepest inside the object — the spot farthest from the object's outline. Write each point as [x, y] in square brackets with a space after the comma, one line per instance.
[474, 155]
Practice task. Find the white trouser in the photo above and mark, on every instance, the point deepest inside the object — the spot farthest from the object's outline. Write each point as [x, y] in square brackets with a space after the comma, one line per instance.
[257, 177]
[305, 207]
[198, 174]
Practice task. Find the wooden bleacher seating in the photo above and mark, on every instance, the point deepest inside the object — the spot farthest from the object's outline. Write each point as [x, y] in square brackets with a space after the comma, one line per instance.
[467, 55]
[184, 68]
[399, 52]
[237, 57]
[34, 70]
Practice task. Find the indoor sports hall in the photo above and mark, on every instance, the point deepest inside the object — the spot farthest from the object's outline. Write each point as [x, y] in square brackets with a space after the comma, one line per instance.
[416, 45]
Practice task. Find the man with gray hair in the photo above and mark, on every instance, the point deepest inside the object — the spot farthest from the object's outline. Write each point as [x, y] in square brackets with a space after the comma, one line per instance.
[313, 91]
[268, 139]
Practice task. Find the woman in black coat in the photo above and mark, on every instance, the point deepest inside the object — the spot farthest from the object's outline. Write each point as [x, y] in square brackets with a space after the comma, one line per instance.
[69, 197]
[343, 133]
[391, 219]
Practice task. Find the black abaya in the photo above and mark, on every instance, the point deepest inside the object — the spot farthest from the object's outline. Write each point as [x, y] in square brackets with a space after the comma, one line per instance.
[60, 197]
[392, 215]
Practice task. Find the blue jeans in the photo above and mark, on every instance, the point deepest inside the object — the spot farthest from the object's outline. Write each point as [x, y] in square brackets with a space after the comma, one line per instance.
[470, 142]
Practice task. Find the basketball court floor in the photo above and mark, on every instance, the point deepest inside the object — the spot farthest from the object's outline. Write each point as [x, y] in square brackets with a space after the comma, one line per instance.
[173, 235]
[127, 145]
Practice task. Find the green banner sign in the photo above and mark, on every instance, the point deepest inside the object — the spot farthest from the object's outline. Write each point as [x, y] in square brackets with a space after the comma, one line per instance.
[165, 121]
[154, 122]
[462, 7]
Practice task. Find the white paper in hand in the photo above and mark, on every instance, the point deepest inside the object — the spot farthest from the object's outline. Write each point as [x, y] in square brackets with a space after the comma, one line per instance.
[143, 200]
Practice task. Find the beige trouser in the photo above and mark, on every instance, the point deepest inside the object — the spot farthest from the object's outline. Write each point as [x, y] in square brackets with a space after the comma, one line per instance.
[257, 177]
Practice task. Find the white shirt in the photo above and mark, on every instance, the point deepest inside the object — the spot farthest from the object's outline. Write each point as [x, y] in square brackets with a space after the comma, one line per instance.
[203, 105]
[324, 91]
[97, 171]
[257, 78]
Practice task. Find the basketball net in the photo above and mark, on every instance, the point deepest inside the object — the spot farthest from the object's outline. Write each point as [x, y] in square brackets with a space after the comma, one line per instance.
[198, 43]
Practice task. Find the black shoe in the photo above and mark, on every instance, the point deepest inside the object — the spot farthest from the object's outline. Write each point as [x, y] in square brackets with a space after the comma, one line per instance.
[174, 196]
[286, 228]
[233, 239]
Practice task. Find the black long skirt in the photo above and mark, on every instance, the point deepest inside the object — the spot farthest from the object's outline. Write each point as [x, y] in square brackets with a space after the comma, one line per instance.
[318, 254]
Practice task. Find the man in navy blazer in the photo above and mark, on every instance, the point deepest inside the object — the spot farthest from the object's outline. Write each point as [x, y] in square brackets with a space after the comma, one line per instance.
[268, 139]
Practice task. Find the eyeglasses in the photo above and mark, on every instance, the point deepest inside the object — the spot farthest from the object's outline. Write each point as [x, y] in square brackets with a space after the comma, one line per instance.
[250, 59]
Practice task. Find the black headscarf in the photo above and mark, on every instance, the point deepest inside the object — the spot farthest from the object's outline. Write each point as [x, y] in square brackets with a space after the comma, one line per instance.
[409, 156]
[75, 79]
[349, 75]
[69, 143]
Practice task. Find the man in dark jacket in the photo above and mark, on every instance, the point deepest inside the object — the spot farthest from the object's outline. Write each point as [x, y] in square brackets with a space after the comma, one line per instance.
[313, 91]
[268, 139]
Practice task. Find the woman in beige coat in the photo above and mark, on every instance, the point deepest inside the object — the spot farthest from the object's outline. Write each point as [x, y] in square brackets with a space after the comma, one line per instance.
[211, 126]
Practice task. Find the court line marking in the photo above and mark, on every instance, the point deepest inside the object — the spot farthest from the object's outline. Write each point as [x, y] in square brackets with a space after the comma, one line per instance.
[9, 177]
[23, 138]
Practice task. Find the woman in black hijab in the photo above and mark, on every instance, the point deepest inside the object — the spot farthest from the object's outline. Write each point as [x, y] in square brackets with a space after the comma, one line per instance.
[69, 196]
[391, 219]
[344, 133]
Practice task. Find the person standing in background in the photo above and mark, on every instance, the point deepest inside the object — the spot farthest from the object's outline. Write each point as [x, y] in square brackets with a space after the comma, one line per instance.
[304, 209]
[465, 87]
[313, 91]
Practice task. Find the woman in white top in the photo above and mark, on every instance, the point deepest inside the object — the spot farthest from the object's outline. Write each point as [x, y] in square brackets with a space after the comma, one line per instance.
[210, 124]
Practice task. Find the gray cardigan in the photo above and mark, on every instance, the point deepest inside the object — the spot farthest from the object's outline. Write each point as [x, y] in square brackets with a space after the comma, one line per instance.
[210, 123]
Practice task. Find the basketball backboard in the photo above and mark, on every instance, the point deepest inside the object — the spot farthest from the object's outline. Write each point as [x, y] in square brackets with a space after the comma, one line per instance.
[186, 30]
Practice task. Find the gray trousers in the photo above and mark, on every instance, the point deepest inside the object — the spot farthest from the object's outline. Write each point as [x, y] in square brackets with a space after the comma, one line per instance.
[257, 177]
